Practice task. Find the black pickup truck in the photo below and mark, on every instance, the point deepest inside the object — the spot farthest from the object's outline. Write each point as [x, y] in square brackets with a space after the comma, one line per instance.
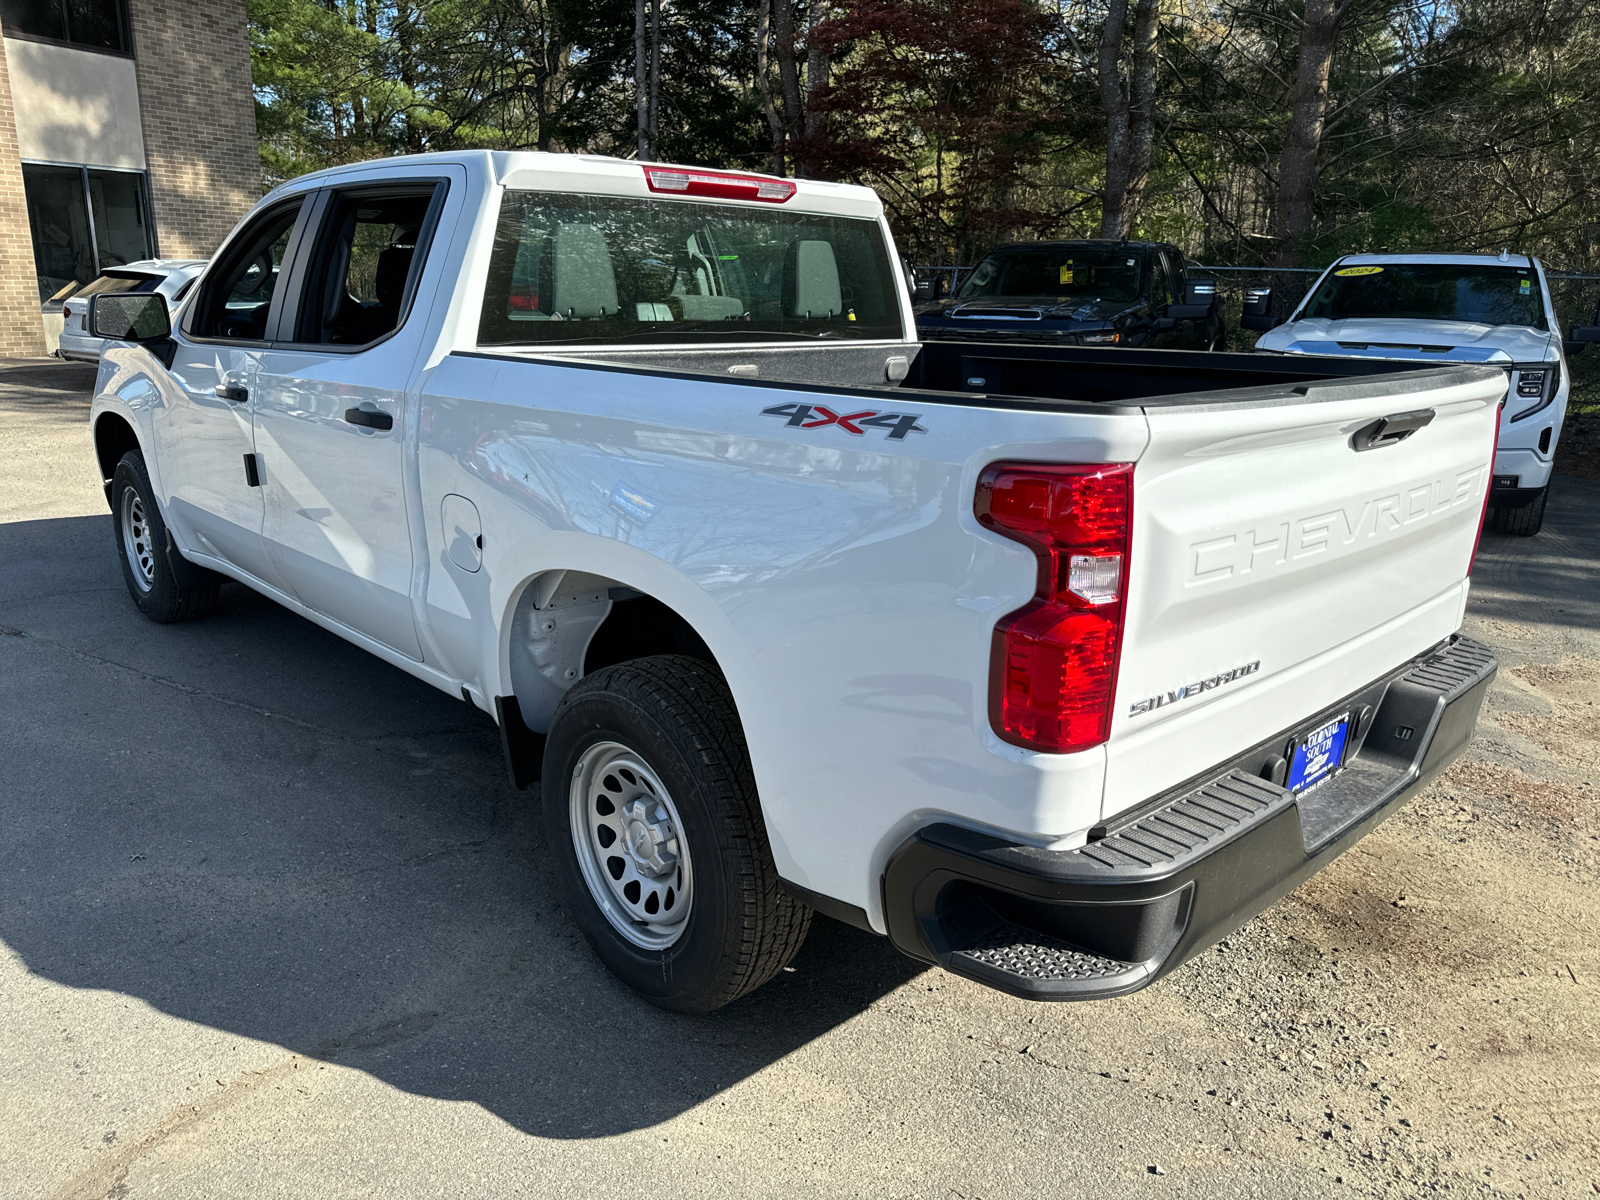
[1086, 293]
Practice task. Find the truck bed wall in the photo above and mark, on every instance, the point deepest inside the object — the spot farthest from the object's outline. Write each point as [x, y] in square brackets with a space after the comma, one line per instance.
[1074, 374]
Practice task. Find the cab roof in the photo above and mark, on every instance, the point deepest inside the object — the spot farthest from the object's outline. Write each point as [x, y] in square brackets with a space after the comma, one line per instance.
[1475, 260]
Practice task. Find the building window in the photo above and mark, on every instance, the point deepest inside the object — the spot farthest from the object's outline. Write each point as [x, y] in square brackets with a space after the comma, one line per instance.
[84, 220]
[92, 24]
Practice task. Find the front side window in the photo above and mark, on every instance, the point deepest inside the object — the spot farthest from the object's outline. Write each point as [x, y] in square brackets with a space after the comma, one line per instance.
[609, 270]
[98, 24]
[1487, 295]
[241, 284]
[358, 278]
[1057, 274]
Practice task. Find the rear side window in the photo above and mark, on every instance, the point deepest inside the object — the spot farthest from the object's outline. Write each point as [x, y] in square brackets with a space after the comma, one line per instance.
[360, 277]
[609, 270]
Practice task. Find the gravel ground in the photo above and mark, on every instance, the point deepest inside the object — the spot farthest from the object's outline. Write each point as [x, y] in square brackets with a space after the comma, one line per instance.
[272, 924]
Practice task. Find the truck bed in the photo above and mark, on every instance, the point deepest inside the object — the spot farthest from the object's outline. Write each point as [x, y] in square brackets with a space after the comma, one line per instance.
[1001, 373]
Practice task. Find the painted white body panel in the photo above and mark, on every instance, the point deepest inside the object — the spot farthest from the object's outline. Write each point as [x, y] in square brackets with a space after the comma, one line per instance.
[1521, 431]
[842, 583]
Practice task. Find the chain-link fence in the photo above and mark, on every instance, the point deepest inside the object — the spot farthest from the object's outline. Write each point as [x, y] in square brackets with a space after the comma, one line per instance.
[1576, 298]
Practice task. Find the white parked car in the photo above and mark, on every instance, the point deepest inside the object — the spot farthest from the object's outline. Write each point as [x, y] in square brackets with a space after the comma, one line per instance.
[169, 277]
[1051, 664]
[1466, 308]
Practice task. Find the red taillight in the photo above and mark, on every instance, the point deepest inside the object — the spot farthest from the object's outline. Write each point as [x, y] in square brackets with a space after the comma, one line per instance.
[677, 181]
[1054, 666]
[525, 300]
[1488, 487]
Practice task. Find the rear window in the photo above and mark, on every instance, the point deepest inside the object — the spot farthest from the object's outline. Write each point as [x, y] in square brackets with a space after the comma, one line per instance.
[111, 281]
[1489, 295]
[610, 270]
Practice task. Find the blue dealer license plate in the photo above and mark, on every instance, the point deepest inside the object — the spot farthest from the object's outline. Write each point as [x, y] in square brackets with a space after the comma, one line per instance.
[1318, 754]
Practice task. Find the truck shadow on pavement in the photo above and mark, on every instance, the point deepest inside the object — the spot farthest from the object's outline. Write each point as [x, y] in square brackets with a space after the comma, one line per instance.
[250, 824]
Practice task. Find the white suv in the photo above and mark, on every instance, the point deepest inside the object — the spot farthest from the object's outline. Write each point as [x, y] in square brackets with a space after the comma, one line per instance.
[1470, 308]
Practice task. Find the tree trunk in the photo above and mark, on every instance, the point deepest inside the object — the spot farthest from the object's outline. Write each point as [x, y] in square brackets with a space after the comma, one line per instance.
[818, 65]
[655, 76]
[1130, 107]
[404, 37]
[794, 126]
[1297, 165]
[641, 94]
[764, 78]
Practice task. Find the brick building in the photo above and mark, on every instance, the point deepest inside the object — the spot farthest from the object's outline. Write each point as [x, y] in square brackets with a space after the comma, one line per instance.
[127, 131]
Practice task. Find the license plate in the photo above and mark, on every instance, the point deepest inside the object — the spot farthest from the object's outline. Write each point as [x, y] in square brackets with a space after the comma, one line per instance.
[1318, 754]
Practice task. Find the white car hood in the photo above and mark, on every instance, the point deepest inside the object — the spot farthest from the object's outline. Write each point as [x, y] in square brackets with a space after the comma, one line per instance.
[1382, 337]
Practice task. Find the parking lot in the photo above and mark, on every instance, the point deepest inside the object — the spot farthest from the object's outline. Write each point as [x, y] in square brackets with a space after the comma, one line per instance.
[272, 923]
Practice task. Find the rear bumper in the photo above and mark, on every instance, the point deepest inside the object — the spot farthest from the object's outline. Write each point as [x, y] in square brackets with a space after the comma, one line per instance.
[1165, 881]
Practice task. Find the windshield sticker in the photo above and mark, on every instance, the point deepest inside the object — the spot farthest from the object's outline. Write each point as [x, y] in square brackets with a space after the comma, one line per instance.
[1066, 273]
[1525, 286]
[1346, 272]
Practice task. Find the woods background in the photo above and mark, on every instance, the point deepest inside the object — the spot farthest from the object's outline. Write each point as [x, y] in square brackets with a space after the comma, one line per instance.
[1269, 133]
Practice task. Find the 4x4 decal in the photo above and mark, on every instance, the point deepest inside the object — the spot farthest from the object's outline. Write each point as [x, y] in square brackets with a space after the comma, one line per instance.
[815, 416]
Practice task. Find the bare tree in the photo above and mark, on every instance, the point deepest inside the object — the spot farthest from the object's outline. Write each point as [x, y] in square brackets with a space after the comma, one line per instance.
[1297, 163]
[1130, 104]
[641, 94]
[764, 79]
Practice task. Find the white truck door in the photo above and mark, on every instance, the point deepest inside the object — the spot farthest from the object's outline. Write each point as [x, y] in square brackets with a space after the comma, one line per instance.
[331, 407]
[205, 437]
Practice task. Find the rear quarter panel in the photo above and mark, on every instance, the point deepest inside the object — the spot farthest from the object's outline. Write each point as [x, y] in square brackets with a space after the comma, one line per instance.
[842, 582]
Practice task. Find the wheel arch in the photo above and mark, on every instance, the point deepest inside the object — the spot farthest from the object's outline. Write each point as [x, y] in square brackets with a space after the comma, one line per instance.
[114, 436]
[562, 624]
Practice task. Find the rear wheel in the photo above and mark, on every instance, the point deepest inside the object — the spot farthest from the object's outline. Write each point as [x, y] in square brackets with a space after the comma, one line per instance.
[1520, 522]
[143, 548]
[651, 810]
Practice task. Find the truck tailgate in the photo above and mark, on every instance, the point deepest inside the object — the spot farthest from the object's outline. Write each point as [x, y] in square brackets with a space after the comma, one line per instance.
[1276, 568]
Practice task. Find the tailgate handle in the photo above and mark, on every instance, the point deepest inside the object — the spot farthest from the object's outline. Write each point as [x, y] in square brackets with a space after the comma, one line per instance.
[1390, 430]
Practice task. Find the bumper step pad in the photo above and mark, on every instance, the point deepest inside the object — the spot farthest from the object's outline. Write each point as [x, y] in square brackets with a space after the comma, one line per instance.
[1168, 879]
[1024, 953]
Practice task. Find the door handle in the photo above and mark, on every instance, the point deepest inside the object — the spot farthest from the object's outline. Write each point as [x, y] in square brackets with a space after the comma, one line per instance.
[232, 392]
[1387, 431]
[368, 419]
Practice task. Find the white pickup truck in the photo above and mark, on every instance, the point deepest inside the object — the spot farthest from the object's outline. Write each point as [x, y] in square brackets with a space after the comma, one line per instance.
[1440, 308]
[1050, 664]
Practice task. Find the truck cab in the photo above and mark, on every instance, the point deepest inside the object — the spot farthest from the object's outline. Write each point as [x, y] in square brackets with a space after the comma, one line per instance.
[1458, 308]
[1080, 293]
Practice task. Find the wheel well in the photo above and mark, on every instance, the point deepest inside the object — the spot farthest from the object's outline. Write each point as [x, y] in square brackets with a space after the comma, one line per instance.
[639, 626]
[568, 624]
[113, 437]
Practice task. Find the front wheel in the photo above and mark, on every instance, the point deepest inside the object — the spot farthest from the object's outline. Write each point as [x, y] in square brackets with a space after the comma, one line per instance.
[1520, 522]
[651, 811]
[143, 547]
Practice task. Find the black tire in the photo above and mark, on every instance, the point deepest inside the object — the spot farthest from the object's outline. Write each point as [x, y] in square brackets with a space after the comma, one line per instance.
[1520, 522]
[676, 715]
[144, 547]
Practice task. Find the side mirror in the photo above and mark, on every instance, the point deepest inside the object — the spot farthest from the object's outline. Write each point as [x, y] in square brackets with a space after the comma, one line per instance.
[1162, 324]
[129, 317]
[1258, 310]
[1198, 297]
[1579, 337]
[923, 290]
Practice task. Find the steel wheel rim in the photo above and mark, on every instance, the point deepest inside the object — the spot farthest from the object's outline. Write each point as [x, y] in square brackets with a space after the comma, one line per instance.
[630, 845]
[137, 543]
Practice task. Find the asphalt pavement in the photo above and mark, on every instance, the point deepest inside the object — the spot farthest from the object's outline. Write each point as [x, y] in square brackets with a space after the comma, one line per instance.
[273, 923]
